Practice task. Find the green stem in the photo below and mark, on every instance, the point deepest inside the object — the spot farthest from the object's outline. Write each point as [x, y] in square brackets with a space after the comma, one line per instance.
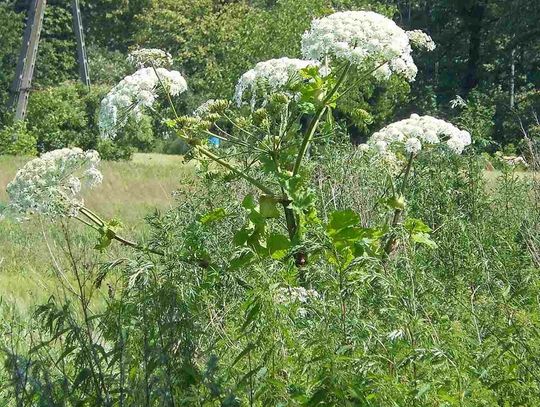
[98, 221]
[388, 248]
[316, 119]
[230, 167]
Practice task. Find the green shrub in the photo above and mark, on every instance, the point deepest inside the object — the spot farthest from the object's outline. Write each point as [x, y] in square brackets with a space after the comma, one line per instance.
[66, 116]
[17, 140]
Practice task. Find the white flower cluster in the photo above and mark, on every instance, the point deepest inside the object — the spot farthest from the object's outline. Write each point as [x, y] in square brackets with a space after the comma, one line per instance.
[51, 184]
[411, 134]
[366, 39]
[267, 77]
[150, 57]
[288, 295]
[421, 40]
[133, 94]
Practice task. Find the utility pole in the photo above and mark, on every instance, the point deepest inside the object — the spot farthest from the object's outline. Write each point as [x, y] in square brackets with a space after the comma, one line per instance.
[81, 46]
[512, 78]
[27, 58]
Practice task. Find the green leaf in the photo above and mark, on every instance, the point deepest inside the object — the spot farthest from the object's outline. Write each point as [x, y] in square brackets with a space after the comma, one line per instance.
[249, 202]
[215, 215]
[268, 206]
[248, 349]
[340, 220]
[251, 313]
[241, 258]
[413, 225]
[278, 245]
[241, 236]
[424, 238]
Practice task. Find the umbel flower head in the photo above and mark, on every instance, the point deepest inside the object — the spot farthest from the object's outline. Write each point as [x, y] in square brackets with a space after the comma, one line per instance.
[268, 77]
[51, 185]
[135, 93]
[414, 133]
[150, 57]
[367, 40]
[421, 40]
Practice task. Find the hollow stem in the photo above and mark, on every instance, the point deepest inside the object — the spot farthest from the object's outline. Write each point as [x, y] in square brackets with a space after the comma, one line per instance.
[389, 246]
[316, 120]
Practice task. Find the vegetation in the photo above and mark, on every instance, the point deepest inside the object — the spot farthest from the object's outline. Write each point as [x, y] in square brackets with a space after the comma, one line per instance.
[293, 268]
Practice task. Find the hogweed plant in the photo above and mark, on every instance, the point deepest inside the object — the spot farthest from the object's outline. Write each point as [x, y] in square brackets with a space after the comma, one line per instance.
[282, 107]
[272, 134]
[52, 186]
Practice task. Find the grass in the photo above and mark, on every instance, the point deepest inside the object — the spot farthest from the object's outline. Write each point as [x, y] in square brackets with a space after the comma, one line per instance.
[130, 191]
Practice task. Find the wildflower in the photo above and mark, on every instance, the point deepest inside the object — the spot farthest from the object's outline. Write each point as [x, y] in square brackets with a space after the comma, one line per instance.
[421, 40]
[416, 131]
[364, 148]
[133, 94]
[366, 39]
[150, 57]
[51, 185]
[267, 78]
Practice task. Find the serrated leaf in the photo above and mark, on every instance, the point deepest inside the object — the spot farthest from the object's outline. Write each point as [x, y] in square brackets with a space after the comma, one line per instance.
[340, 220]
[425, 239]
[413, 225]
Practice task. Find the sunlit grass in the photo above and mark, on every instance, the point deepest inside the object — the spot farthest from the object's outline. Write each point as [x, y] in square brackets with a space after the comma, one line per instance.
[130, 191]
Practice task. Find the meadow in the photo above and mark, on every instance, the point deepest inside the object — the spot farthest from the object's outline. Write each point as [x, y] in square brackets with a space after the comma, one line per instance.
[131, 190]
[336, 229]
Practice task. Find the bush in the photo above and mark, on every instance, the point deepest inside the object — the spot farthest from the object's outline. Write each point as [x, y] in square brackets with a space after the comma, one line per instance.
[17, 140]
[66, 116]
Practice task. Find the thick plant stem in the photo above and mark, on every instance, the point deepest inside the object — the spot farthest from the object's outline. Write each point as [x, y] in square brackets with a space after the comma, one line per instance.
[396, 218]
[308, 137]
[238, 172]
[301, 257]
[316, 120]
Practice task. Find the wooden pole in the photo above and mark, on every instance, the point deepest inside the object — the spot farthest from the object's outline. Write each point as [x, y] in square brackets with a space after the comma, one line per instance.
[27, 59]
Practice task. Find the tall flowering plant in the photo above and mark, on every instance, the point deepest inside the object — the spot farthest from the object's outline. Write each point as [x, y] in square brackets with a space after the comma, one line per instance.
[280, 109]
